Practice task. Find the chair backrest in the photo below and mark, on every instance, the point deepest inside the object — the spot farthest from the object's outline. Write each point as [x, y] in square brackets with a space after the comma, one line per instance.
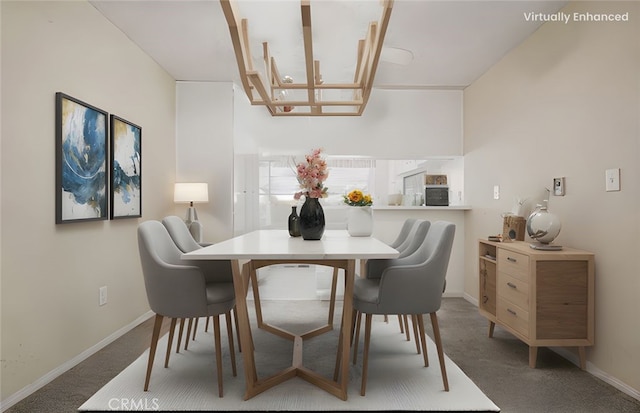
[414, 284]
[375, 267]
[214, 271]
[404, 232]
[173, 288]
[180, 233]
[414, 238]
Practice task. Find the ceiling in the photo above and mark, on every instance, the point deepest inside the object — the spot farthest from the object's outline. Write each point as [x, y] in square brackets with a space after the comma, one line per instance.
[451, 43]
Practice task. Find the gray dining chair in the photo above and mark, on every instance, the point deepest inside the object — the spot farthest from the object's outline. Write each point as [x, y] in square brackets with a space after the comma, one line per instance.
[178, 289]
[407, 242]
[412, 285]
[215, 271]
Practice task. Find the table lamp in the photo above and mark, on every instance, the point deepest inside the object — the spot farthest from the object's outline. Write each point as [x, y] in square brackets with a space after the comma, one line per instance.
[192, 192]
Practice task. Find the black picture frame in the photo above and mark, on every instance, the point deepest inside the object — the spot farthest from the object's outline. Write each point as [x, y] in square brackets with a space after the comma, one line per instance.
[81, 161]
[125, 168]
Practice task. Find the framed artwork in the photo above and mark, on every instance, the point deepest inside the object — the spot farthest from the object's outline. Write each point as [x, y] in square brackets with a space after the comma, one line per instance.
[81, 161]
[126, 178]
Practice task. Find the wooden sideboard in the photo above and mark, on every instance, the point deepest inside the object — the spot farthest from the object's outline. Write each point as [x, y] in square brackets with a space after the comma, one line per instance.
[544, 298]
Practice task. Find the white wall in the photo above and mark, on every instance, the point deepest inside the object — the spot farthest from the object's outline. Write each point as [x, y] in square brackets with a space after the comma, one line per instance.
[397, 124]
[51, 273]
[204, 151]
[566, 103]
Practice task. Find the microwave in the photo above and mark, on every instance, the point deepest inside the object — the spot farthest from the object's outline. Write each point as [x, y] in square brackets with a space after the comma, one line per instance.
[436, 195]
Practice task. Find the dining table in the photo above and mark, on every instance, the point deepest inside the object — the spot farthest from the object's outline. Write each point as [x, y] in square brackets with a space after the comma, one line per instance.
[254, 250]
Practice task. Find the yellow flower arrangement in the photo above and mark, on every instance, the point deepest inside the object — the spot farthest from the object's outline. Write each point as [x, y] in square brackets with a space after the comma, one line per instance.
[358, 198]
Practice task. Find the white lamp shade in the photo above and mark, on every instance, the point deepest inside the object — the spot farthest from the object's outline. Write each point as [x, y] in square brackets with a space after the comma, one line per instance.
[191, 192]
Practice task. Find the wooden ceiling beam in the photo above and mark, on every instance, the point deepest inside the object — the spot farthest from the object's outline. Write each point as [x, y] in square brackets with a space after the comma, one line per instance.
[266, 94]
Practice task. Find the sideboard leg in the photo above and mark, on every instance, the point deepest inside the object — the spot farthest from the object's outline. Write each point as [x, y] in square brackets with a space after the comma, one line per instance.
[583, 357]
[492, 326]
[533, 356]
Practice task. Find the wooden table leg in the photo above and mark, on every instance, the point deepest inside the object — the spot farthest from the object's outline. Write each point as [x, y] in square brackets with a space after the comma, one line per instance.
[244, 327]
[347, 320]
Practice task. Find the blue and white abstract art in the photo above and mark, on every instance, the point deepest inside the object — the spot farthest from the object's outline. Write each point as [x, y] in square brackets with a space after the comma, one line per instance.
[126, 185]
[81, 161]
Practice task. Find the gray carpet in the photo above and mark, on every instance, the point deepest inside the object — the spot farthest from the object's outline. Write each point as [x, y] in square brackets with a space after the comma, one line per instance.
[397, 378]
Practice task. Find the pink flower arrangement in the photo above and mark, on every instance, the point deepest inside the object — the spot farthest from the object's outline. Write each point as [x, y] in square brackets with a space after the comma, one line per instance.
[311, 176]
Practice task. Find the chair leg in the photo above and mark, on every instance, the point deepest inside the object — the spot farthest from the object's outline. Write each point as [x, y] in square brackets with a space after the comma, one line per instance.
[400, 324]
[152, 350]
[423, 339]
[180, 335]
[414, 323]
[172, 327]
[232, 349]
[206, 324]
[216, 335]
[365, 355]
[186, 340]
[195, 328]
[235, 319]
[332, 299]
[436, 337]
[356, 338]
[406, 327]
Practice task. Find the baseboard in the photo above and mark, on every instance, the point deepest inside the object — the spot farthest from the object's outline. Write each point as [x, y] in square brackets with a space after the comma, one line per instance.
[590, 368]
[593, 370]
[63, 368]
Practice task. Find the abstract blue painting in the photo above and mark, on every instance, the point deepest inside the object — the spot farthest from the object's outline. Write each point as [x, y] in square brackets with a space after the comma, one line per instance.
[126, 177]
[81, 161]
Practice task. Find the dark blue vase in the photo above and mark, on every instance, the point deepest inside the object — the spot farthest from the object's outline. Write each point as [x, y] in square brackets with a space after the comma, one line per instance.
[311, 219]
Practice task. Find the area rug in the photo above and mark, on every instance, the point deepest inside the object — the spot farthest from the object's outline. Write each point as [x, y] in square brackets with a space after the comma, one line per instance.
[397, 378]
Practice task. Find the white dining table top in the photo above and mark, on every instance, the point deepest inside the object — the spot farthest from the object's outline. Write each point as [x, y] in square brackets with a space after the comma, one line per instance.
[279, 245]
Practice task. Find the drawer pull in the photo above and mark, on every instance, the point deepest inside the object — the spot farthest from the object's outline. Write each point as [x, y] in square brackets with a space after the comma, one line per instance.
[511, 259]
[512, 285]
[510, 311]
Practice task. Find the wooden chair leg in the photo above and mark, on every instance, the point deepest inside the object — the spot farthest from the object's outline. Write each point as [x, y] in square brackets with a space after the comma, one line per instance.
[356, 337]
[180, 335]
[216, 338]
[386, 318]
[401, 324]
[206, 325]
[437, 339]
[365, 355]
[195, 328]
[152, 351]
[172, 327]
[232, 350]
[332, 298]
[405, 319]
[423, 339]
[186, 340]
[336, 369]
[235, 320]
[414, 323]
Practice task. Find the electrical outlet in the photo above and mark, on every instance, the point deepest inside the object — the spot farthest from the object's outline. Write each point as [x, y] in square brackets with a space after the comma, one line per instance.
[103, 295]
[496, 192]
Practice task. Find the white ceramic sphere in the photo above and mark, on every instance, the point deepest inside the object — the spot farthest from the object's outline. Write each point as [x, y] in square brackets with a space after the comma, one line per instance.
[543, 226]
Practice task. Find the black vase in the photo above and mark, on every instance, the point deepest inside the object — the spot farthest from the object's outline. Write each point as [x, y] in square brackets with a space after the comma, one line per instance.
[311, 219]
[294, 223]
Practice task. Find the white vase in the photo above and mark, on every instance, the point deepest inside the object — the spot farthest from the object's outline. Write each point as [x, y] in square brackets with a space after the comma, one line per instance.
[360, 221]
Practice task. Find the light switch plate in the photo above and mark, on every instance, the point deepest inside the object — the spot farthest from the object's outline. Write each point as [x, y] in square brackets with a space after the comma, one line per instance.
[558, 186]
[612, 177]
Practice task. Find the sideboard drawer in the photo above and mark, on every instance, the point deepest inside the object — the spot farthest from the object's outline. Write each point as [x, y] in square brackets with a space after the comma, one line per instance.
[513, 316]
[513, 289]
[514, 264]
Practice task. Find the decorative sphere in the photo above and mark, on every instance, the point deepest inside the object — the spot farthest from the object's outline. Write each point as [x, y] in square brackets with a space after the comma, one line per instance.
[543, 226]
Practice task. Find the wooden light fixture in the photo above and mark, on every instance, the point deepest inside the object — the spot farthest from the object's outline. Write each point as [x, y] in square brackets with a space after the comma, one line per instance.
[290, 103]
